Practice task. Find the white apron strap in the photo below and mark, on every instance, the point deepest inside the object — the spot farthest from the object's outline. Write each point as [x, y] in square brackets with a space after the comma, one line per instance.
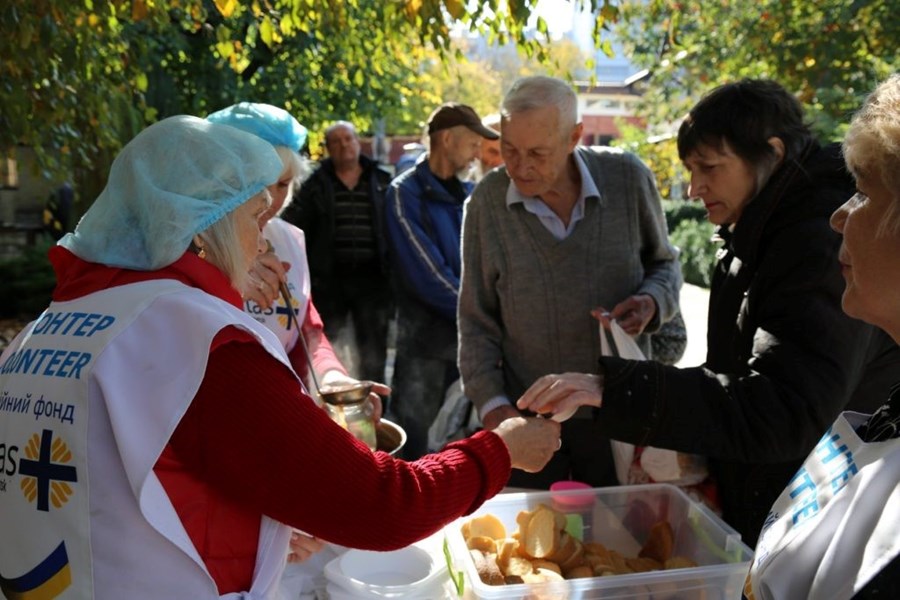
[836, 525]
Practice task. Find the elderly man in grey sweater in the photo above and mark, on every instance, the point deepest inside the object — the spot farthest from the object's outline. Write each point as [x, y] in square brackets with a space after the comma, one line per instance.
[559, 238]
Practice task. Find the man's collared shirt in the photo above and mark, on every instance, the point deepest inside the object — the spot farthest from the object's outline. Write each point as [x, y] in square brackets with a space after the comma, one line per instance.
[549, 219]
[554, 225]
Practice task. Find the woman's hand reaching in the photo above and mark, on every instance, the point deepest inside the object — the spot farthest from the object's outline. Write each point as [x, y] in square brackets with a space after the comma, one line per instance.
[559, 396]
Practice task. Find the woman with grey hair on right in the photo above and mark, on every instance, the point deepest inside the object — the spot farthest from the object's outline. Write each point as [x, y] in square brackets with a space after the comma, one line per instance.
[834, 532]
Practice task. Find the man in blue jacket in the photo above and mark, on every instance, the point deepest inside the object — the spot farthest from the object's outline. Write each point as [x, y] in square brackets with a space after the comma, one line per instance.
[423, 215]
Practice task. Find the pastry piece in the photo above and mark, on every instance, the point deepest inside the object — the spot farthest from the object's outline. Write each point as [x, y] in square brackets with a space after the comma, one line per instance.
[542, 576]
[486, 566]
[506, 549]
[570, 553]
[660, 542]
[548, 565]
[620, 567]
[541, 551]
[518, 566]
[679, 562]
[542, 533]
[486, 525]
[482, 542]
[579, 572]
[642, 564]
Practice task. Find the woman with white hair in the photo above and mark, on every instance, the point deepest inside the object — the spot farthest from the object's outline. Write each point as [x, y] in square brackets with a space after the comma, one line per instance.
[284, 267]
[288, 315]
[155, 441]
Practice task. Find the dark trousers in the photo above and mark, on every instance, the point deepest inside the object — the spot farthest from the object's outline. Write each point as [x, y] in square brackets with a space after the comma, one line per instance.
[417, 393]
[368, 301]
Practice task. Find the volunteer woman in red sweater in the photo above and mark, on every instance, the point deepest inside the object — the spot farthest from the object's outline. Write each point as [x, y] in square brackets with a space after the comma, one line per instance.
[140, 461]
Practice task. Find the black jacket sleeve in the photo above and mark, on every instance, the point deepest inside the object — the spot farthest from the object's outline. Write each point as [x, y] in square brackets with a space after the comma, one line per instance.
[805, 361]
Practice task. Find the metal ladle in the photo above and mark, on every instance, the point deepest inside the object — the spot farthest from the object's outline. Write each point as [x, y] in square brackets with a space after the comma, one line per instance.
[292, 318]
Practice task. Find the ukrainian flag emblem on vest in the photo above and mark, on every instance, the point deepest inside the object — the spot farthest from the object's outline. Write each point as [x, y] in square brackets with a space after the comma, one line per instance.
[44, 582]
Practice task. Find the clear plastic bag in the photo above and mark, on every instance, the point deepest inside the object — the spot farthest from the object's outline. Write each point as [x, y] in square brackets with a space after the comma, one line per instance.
[456, 419]
[648, 464]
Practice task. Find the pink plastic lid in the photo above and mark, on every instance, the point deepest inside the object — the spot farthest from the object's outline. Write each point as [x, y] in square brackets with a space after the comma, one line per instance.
[571, 500]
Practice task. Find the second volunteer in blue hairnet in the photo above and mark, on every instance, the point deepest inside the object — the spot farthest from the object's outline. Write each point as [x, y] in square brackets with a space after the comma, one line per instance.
[286, 262]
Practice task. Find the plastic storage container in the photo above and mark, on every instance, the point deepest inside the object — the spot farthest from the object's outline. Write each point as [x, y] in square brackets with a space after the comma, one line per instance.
[620, 519]
[417, 572]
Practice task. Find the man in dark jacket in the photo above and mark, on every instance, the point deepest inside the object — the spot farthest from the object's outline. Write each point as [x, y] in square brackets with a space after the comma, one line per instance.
[340, 208]
[423, 215]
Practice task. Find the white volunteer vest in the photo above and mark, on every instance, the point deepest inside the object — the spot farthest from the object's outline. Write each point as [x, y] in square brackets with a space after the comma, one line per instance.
[836, 525]
[290, 246]
[90, 394]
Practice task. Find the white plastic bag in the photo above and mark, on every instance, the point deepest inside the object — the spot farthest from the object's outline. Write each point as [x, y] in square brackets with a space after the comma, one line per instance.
[654, 464]
[623, 346]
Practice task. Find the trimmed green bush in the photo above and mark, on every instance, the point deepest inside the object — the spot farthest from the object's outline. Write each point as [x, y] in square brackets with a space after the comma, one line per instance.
[691, 233]
[698, 253]
[677, 211]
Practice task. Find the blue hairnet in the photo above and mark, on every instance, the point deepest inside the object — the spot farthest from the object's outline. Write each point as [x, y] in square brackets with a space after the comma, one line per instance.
[171, 182]
[271, 123]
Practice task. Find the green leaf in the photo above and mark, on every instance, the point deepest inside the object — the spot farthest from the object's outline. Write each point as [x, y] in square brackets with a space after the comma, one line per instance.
[26, 32]
[286, 24]
[456, 576]
[455, 8]
[609, 13]
[606, 48]
[265, 32]
[225, 49]
[226, 7]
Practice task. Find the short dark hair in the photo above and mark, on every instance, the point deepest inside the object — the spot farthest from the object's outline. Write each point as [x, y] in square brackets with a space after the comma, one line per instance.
[745, 114]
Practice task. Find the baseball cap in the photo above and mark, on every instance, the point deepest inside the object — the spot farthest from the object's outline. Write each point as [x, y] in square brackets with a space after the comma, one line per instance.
[451, 114]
